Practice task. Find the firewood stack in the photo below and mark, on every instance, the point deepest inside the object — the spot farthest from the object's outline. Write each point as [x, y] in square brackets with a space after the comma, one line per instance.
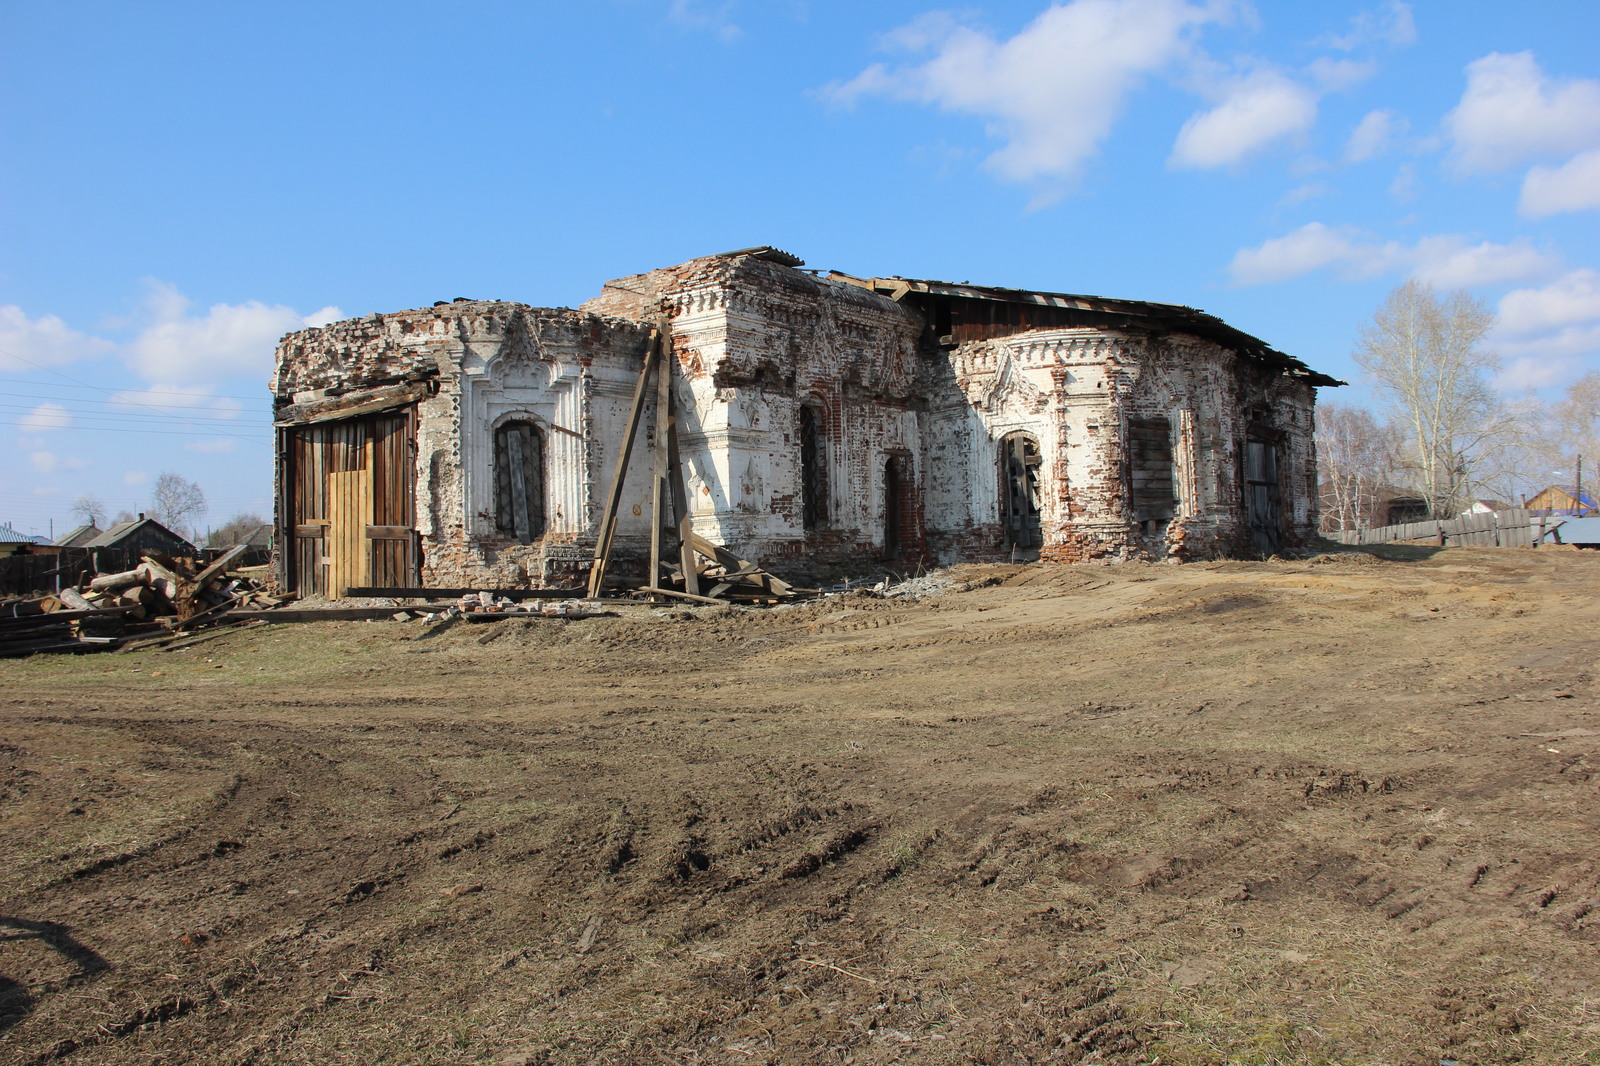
[157, 598]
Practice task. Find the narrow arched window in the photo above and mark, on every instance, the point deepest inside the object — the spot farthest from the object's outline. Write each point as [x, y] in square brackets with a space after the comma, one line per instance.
[813, 468]
[519, 481]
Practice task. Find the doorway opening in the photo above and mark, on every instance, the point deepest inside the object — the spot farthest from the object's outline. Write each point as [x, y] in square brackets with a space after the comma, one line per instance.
[1019, 492]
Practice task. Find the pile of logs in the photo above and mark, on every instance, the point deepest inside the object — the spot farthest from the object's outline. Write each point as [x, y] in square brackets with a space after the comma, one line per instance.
[159, 597]
[161, 587]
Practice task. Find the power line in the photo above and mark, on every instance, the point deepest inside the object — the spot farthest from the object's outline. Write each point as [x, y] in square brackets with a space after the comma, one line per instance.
[131, 417]
[157, 432]
[69, 377]
[118, 404]
[145, 392]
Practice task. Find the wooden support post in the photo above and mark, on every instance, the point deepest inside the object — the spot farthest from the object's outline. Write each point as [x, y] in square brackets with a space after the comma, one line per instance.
[680, 494]
[659, 499]
[608, 518]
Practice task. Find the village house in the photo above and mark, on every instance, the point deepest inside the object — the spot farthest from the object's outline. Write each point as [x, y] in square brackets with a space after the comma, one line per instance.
[826, 421]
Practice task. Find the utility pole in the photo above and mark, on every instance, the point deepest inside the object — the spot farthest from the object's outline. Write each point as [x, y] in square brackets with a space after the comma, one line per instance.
[1577, 492]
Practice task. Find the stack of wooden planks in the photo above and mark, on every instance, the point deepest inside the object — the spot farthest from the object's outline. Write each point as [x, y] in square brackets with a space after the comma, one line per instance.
[28, 627]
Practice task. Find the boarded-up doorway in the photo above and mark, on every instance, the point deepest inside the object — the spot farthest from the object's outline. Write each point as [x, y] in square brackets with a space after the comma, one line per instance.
[1019, 491]
[354, 513]
[1262, 496]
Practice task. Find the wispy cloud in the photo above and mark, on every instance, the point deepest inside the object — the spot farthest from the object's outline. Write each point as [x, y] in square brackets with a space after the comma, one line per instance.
[710, 16]
[177, 399]
[46, 416]
[1390, 24]
[1445, 260]
[46, 462]
[1053, 92]
[1536, 372]
[1376, 134]
[28, 343]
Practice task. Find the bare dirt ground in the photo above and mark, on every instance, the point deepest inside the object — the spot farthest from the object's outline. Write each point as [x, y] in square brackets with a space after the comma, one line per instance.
[1341, 810]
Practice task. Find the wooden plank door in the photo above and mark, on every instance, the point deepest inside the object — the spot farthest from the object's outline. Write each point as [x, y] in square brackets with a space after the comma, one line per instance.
[310, 509]
[1262, 496]
[354, 505]
[391, 532]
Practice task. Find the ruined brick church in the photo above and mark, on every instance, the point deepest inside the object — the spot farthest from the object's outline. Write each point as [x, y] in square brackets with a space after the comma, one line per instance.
[826, 421]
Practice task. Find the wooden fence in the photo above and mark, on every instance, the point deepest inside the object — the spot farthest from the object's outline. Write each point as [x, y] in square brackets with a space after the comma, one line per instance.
[1490, 529]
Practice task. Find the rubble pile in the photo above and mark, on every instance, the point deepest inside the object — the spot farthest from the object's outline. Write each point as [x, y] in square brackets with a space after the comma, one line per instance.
[157, 600]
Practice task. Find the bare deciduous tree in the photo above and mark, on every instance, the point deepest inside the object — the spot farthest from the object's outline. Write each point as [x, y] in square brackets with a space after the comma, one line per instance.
[1424, 354]
[1356, 458]
[237, 529]
[90, 510]
[1577, 422]
[176, 502]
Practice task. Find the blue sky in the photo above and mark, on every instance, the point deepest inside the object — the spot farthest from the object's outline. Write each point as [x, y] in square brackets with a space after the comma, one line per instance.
[182, 183]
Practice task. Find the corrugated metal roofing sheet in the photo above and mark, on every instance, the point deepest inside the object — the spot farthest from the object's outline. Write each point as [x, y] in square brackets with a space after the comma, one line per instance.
[1174, 317]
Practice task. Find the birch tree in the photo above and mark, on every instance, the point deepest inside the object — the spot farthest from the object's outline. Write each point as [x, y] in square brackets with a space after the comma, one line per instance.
[1424, 354]
[1356, 458]
[176, 502]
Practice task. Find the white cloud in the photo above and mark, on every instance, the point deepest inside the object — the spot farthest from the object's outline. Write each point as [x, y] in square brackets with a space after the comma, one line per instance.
[1445, 260]
[1511, 113]
[324, 316]
[1311, 190]
[49, 462]
[714, 18]
[1535, 372]
[1571, 299]
[46, 416]
[1374, 136]
[1449, 262]
[134, 477]
[214, 446]
[1390, 24]
[1311, 247]
[1547, 329]
[1573, 186]
[227, 339]
[45, 341]
[1256, 110]
[174, 345]
[1054, 91]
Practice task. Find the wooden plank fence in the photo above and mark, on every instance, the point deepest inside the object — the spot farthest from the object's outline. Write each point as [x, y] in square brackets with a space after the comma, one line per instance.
[1516, 528]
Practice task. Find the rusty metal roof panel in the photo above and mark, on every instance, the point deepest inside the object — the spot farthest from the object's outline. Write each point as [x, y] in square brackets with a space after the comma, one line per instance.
[1158, 315]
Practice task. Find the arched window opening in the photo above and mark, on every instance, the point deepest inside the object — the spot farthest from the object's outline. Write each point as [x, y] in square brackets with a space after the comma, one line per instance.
[894, 501]
[813, 468]
[1019, 491]
[1153, 493]
[519, 481]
